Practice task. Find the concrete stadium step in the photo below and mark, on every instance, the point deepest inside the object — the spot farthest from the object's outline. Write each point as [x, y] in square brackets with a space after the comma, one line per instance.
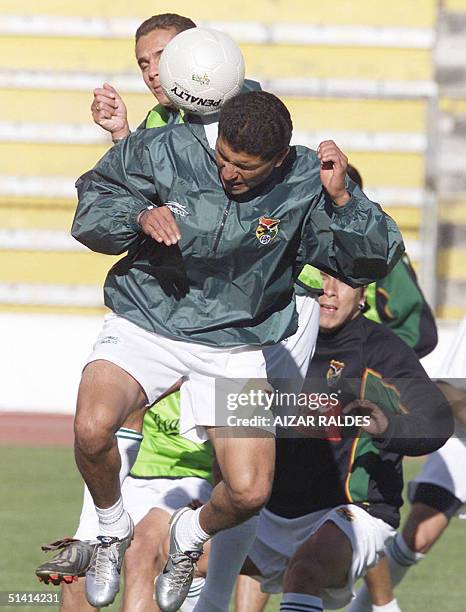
[73, 107]
[49, 159]
[262, 60]
[54, 267]
[61, 106]
[36, 213]
[421, 13]
[451, 264]
[392, 89]
[454, 5]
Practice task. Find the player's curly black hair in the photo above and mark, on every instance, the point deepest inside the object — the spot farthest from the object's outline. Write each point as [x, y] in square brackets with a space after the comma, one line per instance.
[257, 123]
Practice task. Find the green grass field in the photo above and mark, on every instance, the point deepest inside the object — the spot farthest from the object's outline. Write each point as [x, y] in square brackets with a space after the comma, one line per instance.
[40, 493]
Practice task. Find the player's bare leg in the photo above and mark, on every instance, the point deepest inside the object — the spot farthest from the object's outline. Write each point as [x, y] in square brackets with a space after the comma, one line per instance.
[323, 561]
[249, 597]
[107, 397]
[423, 527]
[74, 597]
[144, 561]
[246, 460]
[379, 583]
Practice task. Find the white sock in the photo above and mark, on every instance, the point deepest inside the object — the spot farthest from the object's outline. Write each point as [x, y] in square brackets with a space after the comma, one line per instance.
[228, 550]
[392, 606]
[299, 602]
[193, 595]
[113, 521]
[400, 558]
[128, 441]
[188, 531]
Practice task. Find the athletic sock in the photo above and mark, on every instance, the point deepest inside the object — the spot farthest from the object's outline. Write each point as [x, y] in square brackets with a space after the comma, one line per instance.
[228, 550]
[392, 606]
[400, 558]
[299, 602]
[113, 521]
[193, 595]
[129, 441]
[189, 533]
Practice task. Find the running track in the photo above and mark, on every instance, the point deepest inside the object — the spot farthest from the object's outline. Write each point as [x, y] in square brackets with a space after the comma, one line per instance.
[34, 429]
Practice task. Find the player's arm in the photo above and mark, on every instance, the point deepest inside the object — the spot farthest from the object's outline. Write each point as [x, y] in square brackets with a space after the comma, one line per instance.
[402, 306]
[112, 195]
[424, 420]
[347, 235]
[109, 111]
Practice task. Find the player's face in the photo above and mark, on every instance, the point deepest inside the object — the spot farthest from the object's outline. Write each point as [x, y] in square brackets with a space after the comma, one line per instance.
[338, 304]
[148, 51]
[241, 172]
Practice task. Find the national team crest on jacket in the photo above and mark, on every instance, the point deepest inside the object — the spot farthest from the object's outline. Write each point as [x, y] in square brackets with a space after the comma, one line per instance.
[334, 372]
[267, 229]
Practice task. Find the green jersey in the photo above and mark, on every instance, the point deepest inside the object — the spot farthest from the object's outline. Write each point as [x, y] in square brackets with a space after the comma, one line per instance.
[166, 454]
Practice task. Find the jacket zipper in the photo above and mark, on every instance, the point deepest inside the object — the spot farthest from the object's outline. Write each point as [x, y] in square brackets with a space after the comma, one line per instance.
[222, 225]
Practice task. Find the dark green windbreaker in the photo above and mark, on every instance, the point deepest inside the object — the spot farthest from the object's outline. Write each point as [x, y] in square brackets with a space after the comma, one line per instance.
[229, 282]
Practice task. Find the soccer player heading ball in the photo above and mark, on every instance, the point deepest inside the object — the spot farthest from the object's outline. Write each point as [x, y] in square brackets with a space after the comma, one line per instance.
[199, 297]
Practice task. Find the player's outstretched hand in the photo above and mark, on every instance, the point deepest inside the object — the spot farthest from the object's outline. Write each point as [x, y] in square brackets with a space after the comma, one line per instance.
[378, 424]
[159, 223]
[333, 164]
[109, 111]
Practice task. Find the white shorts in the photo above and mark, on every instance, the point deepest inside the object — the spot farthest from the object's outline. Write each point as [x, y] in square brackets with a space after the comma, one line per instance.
[288, 361]
[445, 468]
[278, 538]
[157, 363]
[140, 495]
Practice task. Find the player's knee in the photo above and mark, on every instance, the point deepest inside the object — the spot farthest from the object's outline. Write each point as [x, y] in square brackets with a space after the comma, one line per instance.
[249, 496]
[423, 528]
[93, 436]
[304, 575]
[141, 560]
[421, 540]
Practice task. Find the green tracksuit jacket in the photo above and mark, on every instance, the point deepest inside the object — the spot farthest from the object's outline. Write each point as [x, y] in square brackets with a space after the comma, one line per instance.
[229, 282]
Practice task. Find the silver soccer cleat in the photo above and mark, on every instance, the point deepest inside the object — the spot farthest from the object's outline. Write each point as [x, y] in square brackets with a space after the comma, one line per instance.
[172, 585]
[103, 575]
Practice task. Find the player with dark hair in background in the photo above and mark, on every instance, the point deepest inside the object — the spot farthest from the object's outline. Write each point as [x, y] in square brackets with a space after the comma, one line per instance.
[108, 108]
[335, 500]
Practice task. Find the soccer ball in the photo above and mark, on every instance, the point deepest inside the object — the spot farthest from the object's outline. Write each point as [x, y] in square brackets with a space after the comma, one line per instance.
[200, 69]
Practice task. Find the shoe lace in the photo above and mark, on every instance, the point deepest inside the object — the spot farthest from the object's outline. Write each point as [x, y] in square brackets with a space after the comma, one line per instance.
[106, 559]
[182, 565]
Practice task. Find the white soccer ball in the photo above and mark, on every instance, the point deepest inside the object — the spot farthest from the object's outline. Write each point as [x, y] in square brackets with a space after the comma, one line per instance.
[200, 69]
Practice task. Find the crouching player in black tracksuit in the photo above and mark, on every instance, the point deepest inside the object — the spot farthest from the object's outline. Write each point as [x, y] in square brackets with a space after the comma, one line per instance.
[335, 499]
